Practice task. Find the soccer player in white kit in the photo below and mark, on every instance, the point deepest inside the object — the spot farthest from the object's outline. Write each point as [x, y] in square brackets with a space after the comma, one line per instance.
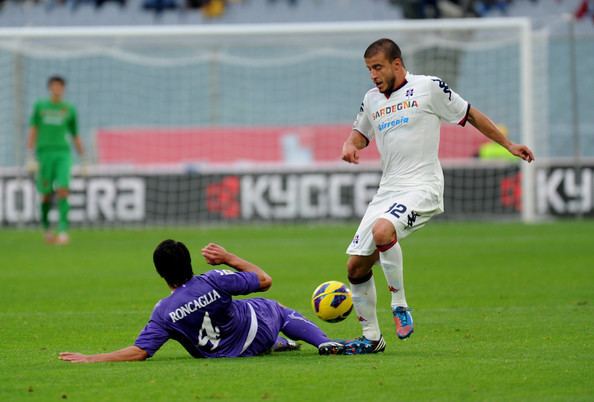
[402, 113]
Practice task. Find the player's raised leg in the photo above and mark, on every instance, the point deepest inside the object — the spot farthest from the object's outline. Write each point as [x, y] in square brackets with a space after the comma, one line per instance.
[390, 255]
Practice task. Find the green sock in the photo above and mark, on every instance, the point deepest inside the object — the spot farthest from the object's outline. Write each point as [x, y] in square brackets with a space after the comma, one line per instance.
[63, 208]
[45, 208]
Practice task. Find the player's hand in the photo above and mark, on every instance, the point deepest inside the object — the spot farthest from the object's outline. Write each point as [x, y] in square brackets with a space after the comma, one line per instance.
[350, 153]
[83, 167]
[521, 151]
[74, 357]
[215, 254]
[31, 164]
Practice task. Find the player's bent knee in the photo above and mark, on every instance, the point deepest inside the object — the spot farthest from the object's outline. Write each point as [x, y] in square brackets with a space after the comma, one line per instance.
[62, 192]
[359, 267]
[383, 232]
[360, 277]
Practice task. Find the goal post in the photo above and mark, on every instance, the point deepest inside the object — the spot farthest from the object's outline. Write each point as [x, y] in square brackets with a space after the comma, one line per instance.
[527, 108]
[234, 123]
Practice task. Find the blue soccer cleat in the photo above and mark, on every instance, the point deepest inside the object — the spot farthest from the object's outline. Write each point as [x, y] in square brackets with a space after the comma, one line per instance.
[362, 345]
[404, 322]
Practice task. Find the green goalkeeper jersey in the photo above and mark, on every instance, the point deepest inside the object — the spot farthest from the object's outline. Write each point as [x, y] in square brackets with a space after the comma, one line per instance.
[54, 121]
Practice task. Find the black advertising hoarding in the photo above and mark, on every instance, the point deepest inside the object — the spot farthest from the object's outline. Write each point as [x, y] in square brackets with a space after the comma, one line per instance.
[195, 198]
[117, 199]
[565, 191]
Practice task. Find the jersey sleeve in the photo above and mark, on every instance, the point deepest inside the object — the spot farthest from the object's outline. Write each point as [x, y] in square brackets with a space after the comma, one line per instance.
[35, 119]
[73, 122]
[362, 123]
[152, 336]
[234, 283]
[447, 104]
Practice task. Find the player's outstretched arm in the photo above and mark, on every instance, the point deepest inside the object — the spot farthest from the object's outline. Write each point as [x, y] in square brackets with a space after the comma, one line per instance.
[216, 255]
[131, 353]
[490, 130]
[352, 146]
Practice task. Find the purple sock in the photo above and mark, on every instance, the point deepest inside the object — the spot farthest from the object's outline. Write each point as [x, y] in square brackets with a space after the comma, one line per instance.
[300, 328]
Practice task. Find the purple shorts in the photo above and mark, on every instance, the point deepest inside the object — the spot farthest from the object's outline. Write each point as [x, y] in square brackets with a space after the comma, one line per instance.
[271, 318]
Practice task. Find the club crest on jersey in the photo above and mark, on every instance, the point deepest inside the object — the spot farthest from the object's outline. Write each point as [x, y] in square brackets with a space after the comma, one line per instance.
[388, 110]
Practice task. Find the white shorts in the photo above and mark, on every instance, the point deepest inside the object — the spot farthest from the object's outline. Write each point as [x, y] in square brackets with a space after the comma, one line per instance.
[407, 210]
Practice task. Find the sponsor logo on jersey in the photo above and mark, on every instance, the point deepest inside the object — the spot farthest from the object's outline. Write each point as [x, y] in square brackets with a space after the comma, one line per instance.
[393, 123]
[388, 110]
[53, 117]
[444, 87]
[193, 305]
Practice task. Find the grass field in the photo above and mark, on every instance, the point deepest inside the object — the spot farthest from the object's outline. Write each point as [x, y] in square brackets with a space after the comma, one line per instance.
[503, 312]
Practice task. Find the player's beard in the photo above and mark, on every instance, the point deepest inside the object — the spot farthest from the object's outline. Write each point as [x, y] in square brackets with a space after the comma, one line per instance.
[389, 85]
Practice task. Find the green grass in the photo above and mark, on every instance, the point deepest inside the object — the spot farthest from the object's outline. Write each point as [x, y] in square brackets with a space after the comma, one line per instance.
[503, 312]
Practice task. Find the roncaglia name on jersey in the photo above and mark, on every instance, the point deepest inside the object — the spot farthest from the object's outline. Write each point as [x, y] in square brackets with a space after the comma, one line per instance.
[193, 305]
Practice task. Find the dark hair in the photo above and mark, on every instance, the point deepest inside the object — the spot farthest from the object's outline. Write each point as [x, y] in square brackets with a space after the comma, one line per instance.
[56, 78]
[173, 262]
[386, 46]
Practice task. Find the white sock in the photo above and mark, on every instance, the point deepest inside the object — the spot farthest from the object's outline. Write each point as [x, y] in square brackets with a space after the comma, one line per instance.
[391, 261]
[365, 300]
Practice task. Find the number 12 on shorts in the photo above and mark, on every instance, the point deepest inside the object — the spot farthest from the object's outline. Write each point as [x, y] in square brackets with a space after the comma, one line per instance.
[397, 209]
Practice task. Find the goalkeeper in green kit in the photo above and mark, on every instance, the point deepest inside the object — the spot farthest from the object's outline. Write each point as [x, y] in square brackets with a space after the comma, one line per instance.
[52, 121]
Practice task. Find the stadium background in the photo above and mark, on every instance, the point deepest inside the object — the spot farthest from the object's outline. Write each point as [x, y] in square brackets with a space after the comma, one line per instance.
[236, 140]
[179, 111]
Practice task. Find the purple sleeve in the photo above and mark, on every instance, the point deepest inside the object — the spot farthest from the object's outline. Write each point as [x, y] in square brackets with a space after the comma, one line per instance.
[234, 283]
[151, 338]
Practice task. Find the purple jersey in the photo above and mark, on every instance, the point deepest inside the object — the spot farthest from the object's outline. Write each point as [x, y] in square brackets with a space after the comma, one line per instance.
[202, 316]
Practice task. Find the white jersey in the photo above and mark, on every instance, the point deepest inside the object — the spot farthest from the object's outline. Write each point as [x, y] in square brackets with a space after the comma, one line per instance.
[405, 126]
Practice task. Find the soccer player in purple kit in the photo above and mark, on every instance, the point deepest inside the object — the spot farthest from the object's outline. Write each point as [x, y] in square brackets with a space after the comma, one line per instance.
[202, 316]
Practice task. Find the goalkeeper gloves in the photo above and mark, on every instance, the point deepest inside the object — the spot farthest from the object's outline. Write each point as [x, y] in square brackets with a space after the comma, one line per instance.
[31, 165]
[83, 166]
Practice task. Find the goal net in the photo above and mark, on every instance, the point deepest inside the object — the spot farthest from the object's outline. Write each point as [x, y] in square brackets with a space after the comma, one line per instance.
[243, 123]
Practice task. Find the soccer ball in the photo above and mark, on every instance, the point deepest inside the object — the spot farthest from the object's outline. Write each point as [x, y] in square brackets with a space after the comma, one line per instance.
[332, 301]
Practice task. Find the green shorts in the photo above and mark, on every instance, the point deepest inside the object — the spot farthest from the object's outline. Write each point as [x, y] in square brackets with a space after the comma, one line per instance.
[54, 170]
